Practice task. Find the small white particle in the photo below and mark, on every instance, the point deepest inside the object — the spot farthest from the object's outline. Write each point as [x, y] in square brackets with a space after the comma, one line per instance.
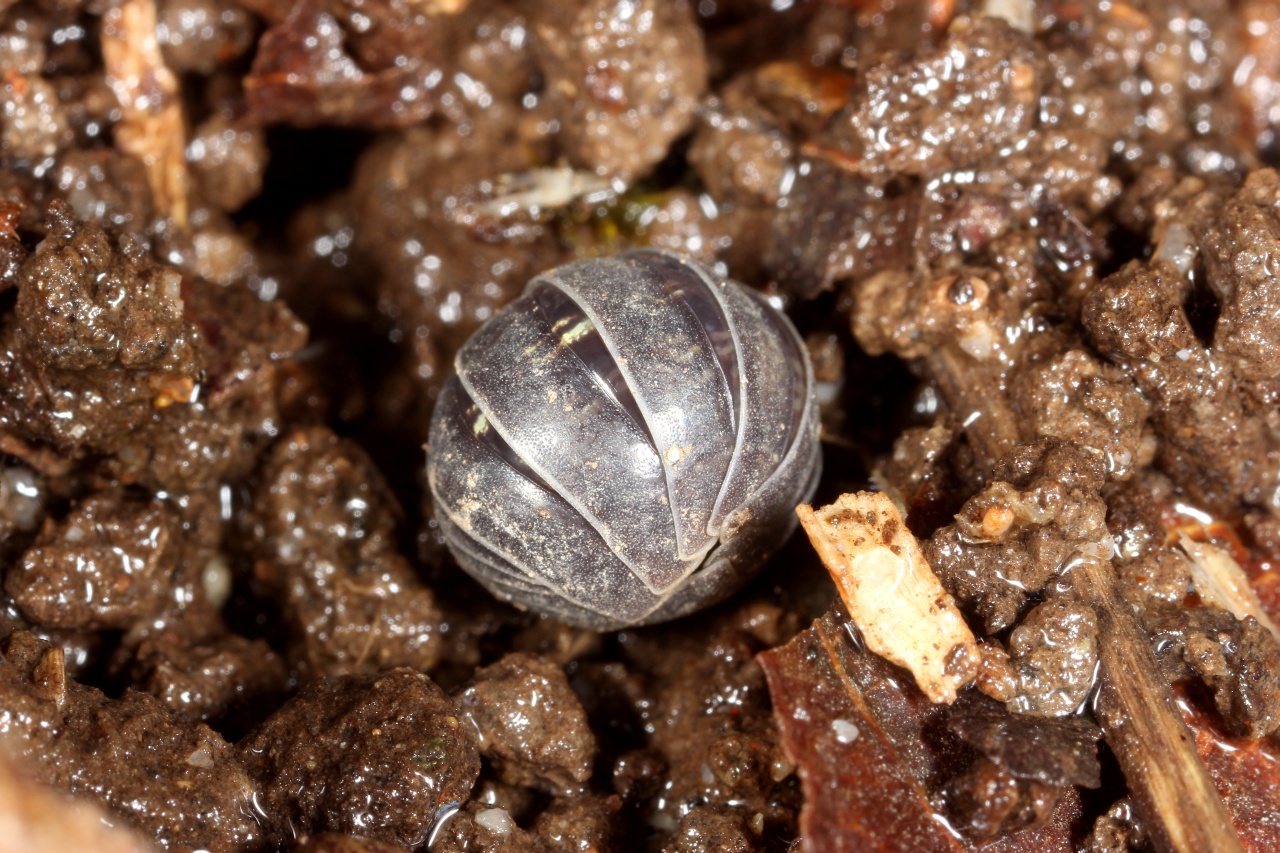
[216, 580]
[201, 757]
[846, 732]
[496, 821]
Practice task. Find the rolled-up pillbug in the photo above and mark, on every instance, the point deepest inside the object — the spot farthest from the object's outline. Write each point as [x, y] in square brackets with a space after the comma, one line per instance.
[625, 443]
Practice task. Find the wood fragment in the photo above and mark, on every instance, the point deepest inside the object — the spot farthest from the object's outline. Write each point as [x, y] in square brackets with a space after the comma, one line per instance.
[975, 399]
[151, 126]
[1144, 728]
[1220, 581]
[892, 595]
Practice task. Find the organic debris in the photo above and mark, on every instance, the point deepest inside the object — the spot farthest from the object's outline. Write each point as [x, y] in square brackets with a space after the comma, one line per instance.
[893, 597]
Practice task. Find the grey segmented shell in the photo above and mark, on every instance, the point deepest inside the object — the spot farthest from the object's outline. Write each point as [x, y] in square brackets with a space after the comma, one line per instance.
[625, 443]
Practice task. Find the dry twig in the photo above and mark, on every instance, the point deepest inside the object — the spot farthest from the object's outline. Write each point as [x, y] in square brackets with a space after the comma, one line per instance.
[1145, 730]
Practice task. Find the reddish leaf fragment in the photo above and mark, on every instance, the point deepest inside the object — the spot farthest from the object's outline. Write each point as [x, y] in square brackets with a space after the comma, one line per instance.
[855, 726]
[859, 794]
[1247, 775]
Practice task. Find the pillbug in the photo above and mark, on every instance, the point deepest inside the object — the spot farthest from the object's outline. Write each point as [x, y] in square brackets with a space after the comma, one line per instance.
[625, 443]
